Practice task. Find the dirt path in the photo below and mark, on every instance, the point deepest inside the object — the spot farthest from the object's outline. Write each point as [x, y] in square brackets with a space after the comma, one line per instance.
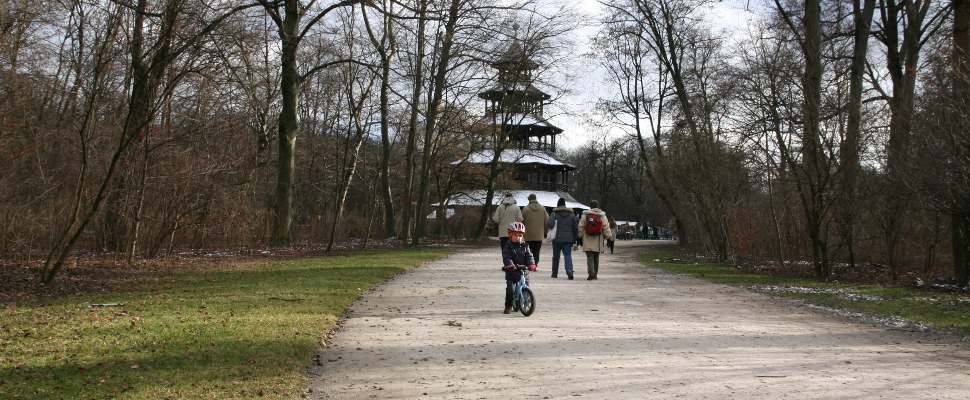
[438, 332]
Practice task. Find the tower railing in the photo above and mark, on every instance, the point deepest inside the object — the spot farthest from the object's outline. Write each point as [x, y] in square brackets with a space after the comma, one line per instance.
[530, 145]
[547, 187]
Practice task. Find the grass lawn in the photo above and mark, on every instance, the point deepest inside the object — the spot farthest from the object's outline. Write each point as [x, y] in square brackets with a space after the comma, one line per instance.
[241, 332]
[939, 310]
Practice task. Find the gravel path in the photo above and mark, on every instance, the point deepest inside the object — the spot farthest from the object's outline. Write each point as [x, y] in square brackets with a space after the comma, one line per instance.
[438, 332]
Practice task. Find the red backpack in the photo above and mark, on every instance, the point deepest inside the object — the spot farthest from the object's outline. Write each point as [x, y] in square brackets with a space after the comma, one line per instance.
[593, 225]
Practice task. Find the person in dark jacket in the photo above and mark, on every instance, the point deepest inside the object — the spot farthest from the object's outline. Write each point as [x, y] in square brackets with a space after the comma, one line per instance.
[567, 231]
[515, 252]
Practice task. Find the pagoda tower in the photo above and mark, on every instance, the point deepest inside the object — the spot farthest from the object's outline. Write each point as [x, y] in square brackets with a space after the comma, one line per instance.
[514, 106]
[514, 103]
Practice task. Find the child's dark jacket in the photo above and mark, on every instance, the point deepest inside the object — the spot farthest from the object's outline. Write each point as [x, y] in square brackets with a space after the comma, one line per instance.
[515, 254]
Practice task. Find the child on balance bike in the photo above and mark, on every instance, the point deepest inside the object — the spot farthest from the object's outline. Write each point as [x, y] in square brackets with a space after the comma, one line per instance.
[515, 252]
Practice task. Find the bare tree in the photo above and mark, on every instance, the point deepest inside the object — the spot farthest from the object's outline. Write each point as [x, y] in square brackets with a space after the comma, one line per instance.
[149, 64]
[814, 184]
[294, 20]
[862, 12]
[643, 88]
[417, 86]
[905, 26]
[441, 69]
[359, 126]
[940, 170]
[688, 54]
[385, 48]
[961, 92]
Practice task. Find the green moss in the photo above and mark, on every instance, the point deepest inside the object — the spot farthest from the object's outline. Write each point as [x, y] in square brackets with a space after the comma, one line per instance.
[243, 332]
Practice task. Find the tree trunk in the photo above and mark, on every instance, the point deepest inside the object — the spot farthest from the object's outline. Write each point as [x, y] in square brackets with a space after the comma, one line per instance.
[145, 83]
[386, 48]
[960, 225]
[961, 88]
[171, 239]
[902, 60]
[408, 210]
[961, 48]
[140, 205]
[813, 190]
[389, 224]
[493, 171]
[344, 187]
[86, 124]
[288, 129]
[862, 17]
[441, 73]
[375, 204]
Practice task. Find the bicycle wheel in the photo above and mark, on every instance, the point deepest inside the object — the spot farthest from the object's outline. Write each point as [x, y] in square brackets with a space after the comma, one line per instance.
[527, 304]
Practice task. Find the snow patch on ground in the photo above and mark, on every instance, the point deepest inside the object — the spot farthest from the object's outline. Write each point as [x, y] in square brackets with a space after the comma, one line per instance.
[892, 322]
[844, 293]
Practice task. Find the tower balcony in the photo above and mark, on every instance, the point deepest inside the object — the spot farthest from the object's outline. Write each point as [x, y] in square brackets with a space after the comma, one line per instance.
[531, 145]
[547, 186]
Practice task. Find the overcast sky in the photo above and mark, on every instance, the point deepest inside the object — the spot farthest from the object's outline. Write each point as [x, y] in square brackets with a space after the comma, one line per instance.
[589, 81]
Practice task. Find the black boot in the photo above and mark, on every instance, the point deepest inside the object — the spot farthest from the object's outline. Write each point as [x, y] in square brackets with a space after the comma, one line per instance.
[570, 275]
[508, 298]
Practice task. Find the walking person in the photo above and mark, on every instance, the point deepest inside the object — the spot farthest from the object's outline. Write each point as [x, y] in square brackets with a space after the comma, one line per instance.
[534, 216]
[504, 215]
[594, 228]
[611, 242]
[563, 238]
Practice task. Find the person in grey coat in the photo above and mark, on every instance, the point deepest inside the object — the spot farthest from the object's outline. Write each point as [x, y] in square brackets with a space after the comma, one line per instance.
[567, 230]
[505, 214]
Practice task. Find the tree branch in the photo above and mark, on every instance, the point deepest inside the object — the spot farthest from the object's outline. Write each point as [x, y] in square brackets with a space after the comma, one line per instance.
[324, 13]
[272, 8]
[326, 65]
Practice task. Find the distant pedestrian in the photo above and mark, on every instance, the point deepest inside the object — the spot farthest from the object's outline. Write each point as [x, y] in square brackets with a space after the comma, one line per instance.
[505, 214]
[534, 216]
[594, 228]
[564, 237]
[611, 243]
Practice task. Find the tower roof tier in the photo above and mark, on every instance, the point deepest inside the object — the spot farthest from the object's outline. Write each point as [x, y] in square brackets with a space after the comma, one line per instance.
[518, 157]
[514, 57]
[521, 90]
[521, 126]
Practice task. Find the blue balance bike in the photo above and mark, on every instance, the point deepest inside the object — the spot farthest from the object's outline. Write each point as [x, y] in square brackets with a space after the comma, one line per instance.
[522, 298]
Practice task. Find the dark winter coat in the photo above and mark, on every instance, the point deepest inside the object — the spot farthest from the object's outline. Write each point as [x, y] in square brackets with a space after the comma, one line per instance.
[516, 254]
[566, 225]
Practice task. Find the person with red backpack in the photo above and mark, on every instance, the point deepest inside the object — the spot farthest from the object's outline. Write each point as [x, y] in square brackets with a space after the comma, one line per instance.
[594, 229]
